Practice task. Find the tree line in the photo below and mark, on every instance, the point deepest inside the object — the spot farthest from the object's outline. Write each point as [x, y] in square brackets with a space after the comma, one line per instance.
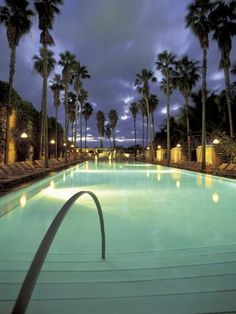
[215, 19]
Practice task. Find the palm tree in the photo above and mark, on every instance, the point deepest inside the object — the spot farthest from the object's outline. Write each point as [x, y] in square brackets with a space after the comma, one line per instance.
[80, 73]
[198, 20]
[68, 62]
[143, 109]
[16, 17]
[186, 78]
[142, 82]
[134, 110]
[113, 117]
[46, 9]
[56, 87]
[83, 96]
[108, 132]
[166, 62]
[153, 103]
[223, 24]
[87, 112]
[71, 111]
[44, 53]
[101, 126]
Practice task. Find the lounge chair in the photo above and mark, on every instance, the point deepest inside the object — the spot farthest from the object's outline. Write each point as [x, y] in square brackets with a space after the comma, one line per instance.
[24, 169]
[3, 174]
[27, 165]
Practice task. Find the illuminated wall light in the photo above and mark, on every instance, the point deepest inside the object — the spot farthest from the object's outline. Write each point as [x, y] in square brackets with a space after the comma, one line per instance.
[215, 197]
[216, 141]
[159, 146]
[52, 141]
[177, 184]
[24, 135]
[23, 201]
[178, 145]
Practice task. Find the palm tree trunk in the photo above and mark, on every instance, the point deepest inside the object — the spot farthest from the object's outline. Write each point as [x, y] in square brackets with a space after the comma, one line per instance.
[204, 95]
[143, 131]
[114, 138]
[45, 78]
[9, 98]
[76, 118]
[56, 135]
[228, 99]
[85, 133]
[66, 121]
[168, 120]
[147, 133]
[81, 126]
[101, 143]
[41, 149]
[153, 128]
[135, 131]
[188, 128]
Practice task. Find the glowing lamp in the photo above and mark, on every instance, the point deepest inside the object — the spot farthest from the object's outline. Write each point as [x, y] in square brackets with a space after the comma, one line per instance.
[52, 142]
[178, 145]
[216, 141]
[159, 146]
[24, 135]
[64, 144]
[72, 146]
[148, 148]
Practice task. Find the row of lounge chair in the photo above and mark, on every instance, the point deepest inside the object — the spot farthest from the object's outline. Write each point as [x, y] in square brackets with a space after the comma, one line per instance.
[224, 169]
[24, 169]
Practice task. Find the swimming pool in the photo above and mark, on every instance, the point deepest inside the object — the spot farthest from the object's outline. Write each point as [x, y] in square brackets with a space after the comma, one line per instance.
[171, 242]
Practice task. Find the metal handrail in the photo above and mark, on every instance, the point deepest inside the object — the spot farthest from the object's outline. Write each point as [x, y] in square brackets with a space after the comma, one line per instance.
[39, 258]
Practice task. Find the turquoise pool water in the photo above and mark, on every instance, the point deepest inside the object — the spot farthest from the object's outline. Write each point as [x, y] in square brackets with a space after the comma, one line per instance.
[153, 216]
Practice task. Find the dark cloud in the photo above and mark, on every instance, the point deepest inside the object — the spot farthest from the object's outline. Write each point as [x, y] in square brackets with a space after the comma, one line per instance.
[115, 40]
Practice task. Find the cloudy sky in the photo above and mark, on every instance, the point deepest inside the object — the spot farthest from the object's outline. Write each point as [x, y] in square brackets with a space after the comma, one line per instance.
[115, 39]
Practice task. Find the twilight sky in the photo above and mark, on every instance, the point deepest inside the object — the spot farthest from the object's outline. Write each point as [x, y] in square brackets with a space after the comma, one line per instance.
[115, 39]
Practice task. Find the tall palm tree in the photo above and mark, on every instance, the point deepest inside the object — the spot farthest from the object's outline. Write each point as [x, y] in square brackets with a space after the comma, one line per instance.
[44, 53]
[113, 117]
[56, 87]
[71, 111]
[165, 63]
[108, 132]
[198, 20]
[186, 78]
[153, 103]
[101, 126]
[68, 62]
[142, 83]
[134, 111]
[46, 10]
[87, 112]
[223, 24]
[16, 17]
[83, 96]
[80, 73]
[143, 110]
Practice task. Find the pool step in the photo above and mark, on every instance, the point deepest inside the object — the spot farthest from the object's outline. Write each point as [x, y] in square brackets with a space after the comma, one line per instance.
[137, 262]
[179, 295]
[175, 281]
